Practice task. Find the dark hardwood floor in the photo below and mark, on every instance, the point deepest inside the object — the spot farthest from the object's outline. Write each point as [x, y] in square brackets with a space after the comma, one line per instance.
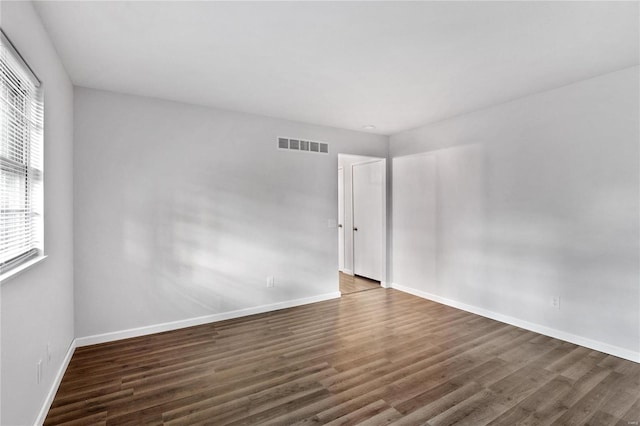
[353, 284]
[373, 357]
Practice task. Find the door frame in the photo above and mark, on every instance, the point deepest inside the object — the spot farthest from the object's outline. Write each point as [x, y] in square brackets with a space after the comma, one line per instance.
[341, 221]
[383, 225]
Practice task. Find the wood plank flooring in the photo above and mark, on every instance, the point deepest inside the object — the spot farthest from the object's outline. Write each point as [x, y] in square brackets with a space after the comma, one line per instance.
[353, 284]
[374, 357]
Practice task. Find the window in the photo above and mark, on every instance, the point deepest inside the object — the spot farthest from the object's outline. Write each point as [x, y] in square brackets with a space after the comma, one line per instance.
[21, 129]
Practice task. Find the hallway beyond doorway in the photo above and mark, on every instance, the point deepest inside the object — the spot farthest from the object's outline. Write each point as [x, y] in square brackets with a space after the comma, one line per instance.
[353, 284]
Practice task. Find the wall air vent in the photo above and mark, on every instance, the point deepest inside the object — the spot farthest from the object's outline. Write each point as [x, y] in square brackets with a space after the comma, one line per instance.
[313, 147]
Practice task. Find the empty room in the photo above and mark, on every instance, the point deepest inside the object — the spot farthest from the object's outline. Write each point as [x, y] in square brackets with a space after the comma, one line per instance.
[293, 213]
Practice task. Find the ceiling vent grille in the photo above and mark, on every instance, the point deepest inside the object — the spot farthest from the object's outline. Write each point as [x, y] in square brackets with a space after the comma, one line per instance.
[301, 145]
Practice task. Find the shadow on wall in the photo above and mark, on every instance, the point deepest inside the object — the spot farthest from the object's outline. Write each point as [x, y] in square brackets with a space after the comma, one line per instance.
[568, 229]
[511, 236]
[210, 244]
[460, 219]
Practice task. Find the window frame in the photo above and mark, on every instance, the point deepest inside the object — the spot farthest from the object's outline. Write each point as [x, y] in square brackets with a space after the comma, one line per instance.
[24, 126]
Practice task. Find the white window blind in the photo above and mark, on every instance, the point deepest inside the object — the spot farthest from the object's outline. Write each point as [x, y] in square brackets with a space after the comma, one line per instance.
[21, 133]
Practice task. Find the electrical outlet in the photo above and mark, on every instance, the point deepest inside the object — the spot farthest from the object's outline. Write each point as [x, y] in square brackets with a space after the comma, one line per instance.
[39, 371]
[270, 281]
[555, 302]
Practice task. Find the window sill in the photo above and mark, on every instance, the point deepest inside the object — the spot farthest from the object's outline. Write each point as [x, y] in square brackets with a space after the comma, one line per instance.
[19, 269]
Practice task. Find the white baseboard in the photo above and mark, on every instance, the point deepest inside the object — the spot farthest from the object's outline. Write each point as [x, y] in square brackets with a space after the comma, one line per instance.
[348, 272]
[547, 331]
[157, 328]
[174, 325]
[55, 385]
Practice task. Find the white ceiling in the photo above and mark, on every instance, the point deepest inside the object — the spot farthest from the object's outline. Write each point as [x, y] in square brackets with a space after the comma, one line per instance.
[396, 65]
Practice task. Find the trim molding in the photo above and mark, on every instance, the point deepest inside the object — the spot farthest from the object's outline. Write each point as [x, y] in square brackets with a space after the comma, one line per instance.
[22, 267]
[157, 328]
[174, 325]
[347, 271]
[547, 331]
[42, 415]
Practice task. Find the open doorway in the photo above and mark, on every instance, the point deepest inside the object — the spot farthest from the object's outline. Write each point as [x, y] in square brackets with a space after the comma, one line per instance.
[361, 222]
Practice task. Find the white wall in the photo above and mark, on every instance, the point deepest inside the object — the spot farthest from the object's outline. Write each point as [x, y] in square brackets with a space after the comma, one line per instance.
[535, 198]
[37, 305]
[183, 211]
[414, 221]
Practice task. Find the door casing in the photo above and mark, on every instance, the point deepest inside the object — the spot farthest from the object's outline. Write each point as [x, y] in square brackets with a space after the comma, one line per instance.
[341, 221]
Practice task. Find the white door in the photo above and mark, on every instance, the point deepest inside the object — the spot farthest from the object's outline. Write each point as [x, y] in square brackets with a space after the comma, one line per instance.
[340, 219]
[368, 193]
